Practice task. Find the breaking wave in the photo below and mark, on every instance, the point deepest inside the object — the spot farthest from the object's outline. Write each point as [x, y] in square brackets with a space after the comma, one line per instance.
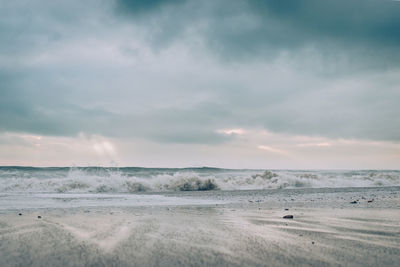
[136, 180]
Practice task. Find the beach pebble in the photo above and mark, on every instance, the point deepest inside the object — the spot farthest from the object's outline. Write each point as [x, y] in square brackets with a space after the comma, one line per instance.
[286, 209]
[39, 217]
[288, 217]
[353, 202]
[19, 214]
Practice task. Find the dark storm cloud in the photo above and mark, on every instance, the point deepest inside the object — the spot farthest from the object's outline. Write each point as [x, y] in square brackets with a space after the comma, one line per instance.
[358, 24]
[36, 111]
[365, 31]
[140, 7]
[42, 107]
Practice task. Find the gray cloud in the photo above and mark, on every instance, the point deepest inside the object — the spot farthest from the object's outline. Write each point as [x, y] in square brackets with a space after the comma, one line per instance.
[176, 71]
[364, 32]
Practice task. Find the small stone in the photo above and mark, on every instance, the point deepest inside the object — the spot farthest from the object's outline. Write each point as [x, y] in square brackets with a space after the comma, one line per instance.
[288, 217]
[286, 209]
[312, 242]
[39, 217]
[369, 201]
[20, 214]
[353, 202]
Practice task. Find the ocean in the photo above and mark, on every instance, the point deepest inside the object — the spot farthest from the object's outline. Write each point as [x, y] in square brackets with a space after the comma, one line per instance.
[65, 187]
[131, 180]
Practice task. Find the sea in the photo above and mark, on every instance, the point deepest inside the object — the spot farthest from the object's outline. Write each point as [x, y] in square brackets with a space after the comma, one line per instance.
[65, 187]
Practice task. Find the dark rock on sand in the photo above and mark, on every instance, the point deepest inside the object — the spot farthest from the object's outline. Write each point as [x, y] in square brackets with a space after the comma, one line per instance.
[19, 214]
[353, 202]
[288, 217]
[39, 217]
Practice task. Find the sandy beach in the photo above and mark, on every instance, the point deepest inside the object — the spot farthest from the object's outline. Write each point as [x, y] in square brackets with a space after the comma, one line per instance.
[248, 230]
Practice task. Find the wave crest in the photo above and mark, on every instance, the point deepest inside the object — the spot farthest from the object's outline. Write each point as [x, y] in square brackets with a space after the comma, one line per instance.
[134, 180]
[192, 184]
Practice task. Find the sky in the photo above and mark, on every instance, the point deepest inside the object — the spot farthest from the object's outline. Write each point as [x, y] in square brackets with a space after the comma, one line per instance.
[284, 84]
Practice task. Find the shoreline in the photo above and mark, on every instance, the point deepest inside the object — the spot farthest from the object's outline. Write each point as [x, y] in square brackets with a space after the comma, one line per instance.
[365, 197]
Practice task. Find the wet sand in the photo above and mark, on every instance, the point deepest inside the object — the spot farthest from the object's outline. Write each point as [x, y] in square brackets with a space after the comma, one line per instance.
[245, 233]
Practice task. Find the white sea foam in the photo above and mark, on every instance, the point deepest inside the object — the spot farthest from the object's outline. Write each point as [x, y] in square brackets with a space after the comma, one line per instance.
[133, 180]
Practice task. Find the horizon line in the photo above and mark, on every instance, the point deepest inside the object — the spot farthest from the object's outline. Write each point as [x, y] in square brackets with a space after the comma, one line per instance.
[198, 167]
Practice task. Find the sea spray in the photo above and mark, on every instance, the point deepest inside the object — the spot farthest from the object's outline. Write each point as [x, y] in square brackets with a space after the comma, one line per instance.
[137, 180]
